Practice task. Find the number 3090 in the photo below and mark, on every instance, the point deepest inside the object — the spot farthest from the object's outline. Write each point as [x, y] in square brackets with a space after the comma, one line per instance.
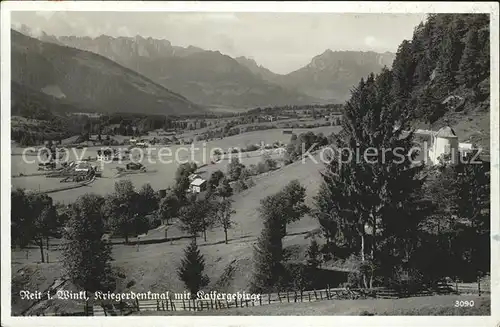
[461, 304]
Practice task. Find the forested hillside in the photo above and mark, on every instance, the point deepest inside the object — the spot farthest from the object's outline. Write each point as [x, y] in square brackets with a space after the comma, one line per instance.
[444, 71]
[410, 225]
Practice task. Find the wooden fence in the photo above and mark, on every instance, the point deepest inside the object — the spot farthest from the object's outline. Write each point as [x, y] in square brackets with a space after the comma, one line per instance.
[118, 308]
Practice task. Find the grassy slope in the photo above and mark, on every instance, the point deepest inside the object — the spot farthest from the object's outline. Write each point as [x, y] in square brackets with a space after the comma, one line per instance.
[228, 265]
[421, 306]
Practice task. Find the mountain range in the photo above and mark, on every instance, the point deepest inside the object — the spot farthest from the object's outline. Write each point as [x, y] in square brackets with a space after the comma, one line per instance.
[208, 78]
[330, 75]
[88, 80]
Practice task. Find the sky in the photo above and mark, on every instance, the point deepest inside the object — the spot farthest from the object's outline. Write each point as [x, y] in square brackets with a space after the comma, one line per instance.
[281, 42]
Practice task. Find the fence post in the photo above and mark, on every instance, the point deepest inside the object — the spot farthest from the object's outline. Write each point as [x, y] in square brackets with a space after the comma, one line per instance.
[287, 297]
[163, 305]
[295, 298]
[260, 300]
[279, 296]
[456, 286]
[321, 294]
[301, 293]
[309, 295]
[183, 304]
[328, 291]
[157, 305]
[227, 303]
[315, 295]
[211, 303]
[172, 306]
[479, 285]
[269, 297]
[137, 303]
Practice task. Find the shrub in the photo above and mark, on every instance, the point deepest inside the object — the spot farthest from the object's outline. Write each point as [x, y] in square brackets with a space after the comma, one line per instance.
[239, 186]
[249, 183]
[251, 147]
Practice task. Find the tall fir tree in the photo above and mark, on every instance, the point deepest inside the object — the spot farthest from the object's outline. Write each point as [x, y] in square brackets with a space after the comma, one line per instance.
[191, 269]
[450, 52]
[469, 69]
[268, 255]
[365, 195]
[403, 70]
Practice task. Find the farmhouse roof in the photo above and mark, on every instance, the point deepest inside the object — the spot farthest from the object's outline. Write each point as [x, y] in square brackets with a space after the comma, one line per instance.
[198, 182]
[83, 165]
[446, 131]
[192, 177]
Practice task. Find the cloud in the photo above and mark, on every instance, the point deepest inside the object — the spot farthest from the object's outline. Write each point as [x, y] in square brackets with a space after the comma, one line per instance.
[45, 14]
[370, 41]
[123, 31]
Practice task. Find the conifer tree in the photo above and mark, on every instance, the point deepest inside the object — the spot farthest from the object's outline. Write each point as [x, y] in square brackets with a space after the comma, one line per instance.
[403, 69]
[450, 52]
[365, 196]
[191, 269]
[469, 69]
[268, 256]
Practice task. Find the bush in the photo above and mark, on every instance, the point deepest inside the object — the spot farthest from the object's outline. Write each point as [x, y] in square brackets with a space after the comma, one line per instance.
[249, 183]
[239, 186]
[253, 169]
[261, 168]
[251, 147]
[270, 164]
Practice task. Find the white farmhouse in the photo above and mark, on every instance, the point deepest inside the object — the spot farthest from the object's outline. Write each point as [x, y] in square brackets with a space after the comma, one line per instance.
[198, 185]
[444, 143]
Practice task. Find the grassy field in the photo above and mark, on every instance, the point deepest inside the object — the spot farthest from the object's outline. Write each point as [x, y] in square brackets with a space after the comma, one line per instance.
[159, 175]
[439, 305]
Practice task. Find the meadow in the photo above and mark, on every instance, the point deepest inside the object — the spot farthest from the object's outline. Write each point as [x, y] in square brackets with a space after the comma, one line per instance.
[437, 305]
[159, 175]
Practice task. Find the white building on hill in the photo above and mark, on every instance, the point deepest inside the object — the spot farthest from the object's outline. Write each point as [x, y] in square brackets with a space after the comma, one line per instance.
[444, 144]
[198, 185]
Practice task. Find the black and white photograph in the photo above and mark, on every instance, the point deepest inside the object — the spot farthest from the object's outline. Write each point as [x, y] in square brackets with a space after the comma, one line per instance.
[271, 159]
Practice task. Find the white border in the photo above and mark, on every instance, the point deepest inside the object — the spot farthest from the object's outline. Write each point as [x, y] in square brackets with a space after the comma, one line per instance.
[334, 7]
